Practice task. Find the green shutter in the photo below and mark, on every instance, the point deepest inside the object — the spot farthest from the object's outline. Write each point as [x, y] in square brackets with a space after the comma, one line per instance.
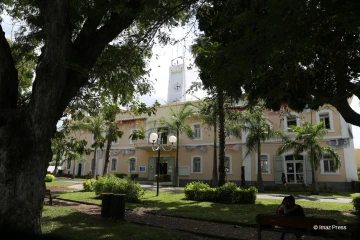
[278, 168]
[151, 170]
[308, 175]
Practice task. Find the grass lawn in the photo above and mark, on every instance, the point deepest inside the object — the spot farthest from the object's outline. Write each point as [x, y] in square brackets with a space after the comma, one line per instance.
[176, 204]
[58, 184]
[70, 224]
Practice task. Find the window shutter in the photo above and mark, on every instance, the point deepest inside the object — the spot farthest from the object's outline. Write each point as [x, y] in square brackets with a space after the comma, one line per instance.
[308, 170]
[278, 167]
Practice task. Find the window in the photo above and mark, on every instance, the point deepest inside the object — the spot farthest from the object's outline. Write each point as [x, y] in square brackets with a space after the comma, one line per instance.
[294, 168]
[264, 163]
[328, 164]
[132, 165]
[326, 117]
[228, 164]
[196, 164]
[291, 121]
[68, 165]
[163, 132]
[197, 131]
[113, 167]
[115, 142]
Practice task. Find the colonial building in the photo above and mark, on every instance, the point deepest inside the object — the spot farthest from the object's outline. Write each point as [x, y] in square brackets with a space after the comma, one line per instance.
[196, 155]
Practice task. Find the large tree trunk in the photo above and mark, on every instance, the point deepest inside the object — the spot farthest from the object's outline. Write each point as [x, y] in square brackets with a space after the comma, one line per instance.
[222, 173]
[215, 179]
[24, 157]
[176, 172]
[62, 69]
[260, 184]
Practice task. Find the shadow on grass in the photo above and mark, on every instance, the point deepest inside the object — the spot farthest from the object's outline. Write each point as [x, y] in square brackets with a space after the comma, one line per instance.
[70, 224]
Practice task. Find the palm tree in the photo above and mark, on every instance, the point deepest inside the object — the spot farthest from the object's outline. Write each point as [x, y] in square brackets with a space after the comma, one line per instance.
[307, 139]
[96, 126]
[209, 115]
[177, 123]
[259, 130]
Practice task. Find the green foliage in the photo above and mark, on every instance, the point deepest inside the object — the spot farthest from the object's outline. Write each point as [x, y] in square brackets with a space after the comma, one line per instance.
[121, 175]
[113, 184]
[191, 189]
[225, 193]
[89, 185]
[134, 176]
[49, 178]
[163, 177]
[297, 52]
[307, 138]
[356, 202]
[228, 193]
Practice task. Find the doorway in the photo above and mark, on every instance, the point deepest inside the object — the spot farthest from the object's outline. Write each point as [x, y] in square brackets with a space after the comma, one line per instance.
[294, 168]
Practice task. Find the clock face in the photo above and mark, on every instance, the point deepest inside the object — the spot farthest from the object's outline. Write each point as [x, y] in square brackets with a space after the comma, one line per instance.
[177, 87]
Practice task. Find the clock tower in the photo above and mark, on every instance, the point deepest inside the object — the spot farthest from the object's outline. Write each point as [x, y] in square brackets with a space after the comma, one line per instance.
[176, 88]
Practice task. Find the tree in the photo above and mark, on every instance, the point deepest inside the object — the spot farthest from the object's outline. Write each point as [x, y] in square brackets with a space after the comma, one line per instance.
[96, 126]
[177, 123]
[74, 151]
[294, 52]
[307, 138]
[258, 130]
[58, 146]
[209, 115]
[205, 52]
[72, 35]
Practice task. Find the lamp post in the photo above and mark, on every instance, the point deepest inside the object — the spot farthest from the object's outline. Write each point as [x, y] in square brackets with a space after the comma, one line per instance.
[156, 140]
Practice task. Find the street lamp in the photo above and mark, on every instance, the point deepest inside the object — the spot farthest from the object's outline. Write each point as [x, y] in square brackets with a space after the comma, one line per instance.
[155, 139]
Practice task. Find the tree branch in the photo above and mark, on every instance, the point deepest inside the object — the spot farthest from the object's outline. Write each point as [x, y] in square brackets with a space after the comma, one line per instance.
[9, 82]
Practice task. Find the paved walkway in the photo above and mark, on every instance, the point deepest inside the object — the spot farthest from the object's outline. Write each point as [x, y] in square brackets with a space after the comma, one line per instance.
[260, 195]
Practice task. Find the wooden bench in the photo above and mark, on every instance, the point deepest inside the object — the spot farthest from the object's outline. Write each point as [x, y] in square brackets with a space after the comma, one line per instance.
[50, 196]
[298, 225]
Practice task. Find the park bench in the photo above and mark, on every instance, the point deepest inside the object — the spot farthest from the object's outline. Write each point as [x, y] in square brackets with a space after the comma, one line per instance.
[299, 225]
[50, 196]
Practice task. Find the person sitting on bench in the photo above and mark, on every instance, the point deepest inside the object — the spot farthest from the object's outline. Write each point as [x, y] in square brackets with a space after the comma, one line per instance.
[292, 209]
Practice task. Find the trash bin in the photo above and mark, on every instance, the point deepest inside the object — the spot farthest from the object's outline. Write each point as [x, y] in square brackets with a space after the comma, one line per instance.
[106, 201]
[118, 207]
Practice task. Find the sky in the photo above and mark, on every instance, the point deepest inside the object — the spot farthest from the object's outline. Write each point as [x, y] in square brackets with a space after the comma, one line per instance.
[164, 56]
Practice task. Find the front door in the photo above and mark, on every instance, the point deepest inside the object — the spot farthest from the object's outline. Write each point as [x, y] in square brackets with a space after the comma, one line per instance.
[294, 169]
[79, 169]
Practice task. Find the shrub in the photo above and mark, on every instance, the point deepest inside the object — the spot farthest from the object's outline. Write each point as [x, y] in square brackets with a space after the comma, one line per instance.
[191, 189]
[225, 192]
[121, 175]
[244, 196]
[49, 178]
[228, 193]
[163, 178]
[113, 184]
[356, 202]
[134, 176]
[89, 185]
